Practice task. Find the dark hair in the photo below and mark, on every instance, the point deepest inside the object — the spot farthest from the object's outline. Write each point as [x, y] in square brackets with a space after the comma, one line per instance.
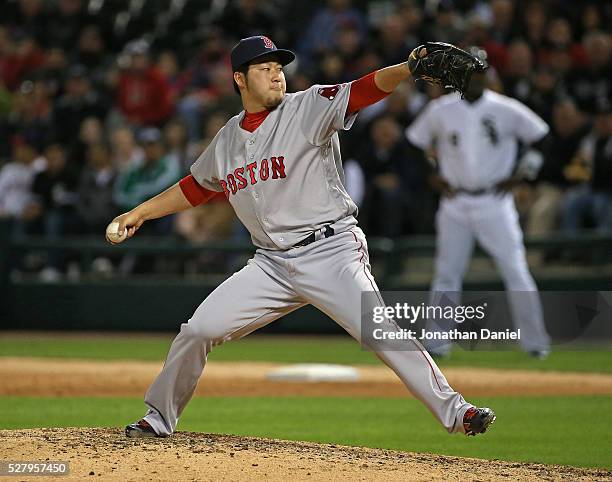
[243, 69]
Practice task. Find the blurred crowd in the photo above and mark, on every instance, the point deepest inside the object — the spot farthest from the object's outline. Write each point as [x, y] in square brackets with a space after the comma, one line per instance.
[104, 103]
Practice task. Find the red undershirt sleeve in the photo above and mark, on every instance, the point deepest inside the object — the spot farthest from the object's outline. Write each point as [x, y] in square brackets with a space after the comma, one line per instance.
[364, 92]
[194, 192]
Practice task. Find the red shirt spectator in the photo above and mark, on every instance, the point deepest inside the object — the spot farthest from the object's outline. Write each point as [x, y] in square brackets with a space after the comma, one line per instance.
[143, 93]
[24, 59]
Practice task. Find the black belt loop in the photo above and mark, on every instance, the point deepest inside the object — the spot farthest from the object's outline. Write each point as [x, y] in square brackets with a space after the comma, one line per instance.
[328, 232]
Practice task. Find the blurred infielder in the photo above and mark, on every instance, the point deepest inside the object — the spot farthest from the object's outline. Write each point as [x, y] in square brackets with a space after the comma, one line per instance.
[279, 164]
[475, 143]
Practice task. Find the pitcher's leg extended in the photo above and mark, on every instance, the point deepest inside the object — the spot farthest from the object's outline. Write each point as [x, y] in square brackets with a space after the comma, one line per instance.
[335, 284]
[249, 299]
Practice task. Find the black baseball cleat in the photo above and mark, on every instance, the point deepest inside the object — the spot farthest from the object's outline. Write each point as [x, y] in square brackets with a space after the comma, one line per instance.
[477, 420]
[141, 429]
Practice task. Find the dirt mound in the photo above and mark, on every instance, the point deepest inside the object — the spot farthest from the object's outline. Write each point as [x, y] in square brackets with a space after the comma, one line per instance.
[106, 453]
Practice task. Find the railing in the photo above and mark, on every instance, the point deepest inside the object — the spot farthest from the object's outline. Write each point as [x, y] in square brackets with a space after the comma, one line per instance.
[156, 302]
[387, 253]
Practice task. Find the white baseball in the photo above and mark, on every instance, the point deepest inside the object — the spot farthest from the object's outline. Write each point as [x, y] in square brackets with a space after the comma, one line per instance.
[112, 233]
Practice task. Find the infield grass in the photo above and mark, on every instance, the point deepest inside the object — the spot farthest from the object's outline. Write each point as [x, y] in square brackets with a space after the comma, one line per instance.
[284, 349]
[554, 430]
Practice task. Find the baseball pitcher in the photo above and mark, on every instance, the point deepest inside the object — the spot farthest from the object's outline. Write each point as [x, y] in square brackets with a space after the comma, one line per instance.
[278, 162]
[475, 140]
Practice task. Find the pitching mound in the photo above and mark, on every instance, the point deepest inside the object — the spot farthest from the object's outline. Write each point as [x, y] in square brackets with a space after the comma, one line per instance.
[107, 454]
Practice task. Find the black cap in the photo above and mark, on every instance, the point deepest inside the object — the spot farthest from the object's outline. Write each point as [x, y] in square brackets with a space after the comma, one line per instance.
[251, 48]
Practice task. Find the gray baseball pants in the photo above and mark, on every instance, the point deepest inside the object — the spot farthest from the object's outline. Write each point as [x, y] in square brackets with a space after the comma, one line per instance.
[330, 274]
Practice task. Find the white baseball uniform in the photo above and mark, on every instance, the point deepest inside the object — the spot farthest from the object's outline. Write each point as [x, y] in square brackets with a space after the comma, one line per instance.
[284, 181]
[476, 147]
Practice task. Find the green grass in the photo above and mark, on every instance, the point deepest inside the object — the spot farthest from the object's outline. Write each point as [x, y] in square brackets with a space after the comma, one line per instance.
[284, 349]
[553, 430]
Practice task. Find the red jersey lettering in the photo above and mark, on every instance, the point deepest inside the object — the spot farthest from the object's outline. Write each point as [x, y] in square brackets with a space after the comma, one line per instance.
[251, 168]
[231, 180]
[264, 170]
[278, 167]
[242, 183]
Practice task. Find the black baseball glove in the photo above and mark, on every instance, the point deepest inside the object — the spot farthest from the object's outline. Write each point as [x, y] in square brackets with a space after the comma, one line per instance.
[444, 64]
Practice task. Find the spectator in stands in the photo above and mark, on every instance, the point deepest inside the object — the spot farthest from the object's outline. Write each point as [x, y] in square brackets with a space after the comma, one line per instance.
[446, 25]
[91, 132]
[217, 94]
[544, 93]
[331, 68]
[64, 23]
[214, 122]
[516, 76]
[30, 114]
[156, 172]
[177, 143]
[592, 84]
[534, 22]
[28, 17]
[96, 203]
[197, 79]
[393, 41]
[53, 71]
[245, 18]
[354, 53]
[411, 16]
[168, 65]
[143, 94]
[592, 200]
[79, 102]
[503, 28]
[91, 52]
[19, 58]
[54, 189]
[542, 49]
[560, 37]
[384, 160]
[16, 201]
[140, 181]
[569, 127]
[321, 32]
[592, 18]
[125, 151]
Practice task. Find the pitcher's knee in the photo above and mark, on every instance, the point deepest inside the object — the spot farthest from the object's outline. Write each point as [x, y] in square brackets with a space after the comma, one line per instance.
[203, 332]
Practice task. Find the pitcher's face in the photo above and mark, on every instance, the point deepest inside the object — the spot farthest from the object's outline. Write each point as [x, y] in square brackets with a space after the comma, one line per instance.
[265, 83]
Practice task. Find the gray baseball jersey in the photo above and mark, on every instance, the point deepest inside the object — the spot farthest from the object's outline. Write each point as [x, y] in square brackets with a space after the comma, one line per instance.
[285, 182]
[285, 179]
